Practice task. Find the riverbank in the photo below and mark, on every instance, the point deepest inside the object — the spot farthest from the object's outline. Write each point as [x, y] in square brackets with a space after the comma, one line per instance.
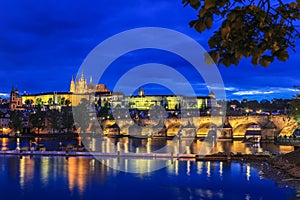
[195, 157]
[289, 162]
[281, 177]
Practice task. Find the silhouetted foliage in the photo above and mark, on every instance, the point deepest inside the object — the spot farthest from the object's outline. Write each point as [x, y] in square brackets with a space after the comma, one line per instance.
[81, 115]
[16, 118]
[295, 107]
[37, 118]
[262, 30]
[55, 118]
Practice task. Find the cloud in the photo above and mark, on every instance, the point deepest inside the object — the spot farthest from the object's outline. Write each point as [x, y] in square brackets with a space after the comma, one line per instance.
[252, 92]
[265, 91]
[5, 95]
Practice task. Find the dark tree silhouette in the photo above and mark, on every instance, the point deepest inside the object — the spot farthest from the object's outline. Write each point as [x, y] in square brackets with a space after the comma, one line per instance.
[16, 120]
[37, 118]
[67, 119]
[262, 29]
[81, 115]
[295, 107]
[55, 118]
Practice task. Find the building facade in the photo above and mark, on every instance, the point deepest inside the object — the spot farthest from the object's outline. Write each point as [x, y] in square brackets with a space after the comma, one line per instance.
[100, 95]
[15, 102]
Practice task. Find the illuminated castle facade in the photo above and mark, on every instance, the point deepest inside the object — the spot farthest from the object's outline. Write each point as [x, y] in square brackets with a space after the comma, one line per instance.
[82, 89]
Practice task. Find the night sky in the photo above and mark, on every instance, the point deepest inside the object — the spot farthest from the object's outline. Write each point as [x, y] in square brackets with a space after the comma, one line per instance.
[43, 43]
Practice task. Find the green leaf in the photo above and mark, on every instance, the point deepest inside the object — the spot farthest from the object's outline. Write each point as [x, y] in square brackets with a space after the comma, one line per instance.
[225, 31]
[195, 4]
[264, 62]
[254, 60]
[208, 22]
[283, 56]
[208, 59]
[199, 25]
[209, 4]
[212, 42]
[238, 55]
[193, 23]
[293, 5]
[202, 12]
[268, 58]
[231, 16]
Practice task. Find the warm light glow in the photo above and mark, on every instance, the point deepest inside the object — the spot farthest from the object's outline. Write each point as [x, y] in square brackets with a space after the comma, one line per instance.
[199, 167]
[208, 168]
[221, 169]
[22, 172]
[188, 167]
[77, 173]
[248, 174]
[176, 162]
[45, 170]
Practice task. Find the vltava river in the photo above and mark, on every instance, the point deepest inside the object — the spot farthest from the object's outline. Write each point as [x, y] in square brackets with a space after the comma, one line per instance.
[53, 178]
[137, 145]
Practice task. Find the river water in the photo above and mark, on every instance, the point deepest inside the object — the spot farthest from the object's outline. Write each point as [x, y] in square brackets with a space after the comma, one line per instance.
[88, 178]
[161, 145]
[53, 178]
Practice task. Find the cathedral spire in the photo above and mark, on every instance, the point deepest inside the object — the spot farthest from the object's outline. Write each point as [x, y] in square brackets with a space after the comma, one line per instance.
[72, 85]
[16, 90]
[82, 76]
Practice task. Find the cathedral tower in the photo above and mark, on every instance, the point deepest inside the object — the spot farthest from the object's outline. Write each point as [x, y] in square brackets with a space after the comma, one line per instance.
[15, 100]
[72, 85]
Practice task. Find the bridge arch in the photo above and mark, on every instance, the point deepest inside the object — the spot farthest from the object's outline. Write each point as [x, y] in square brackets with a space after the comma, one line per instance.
[204, 128]
[241, 130]
[288, 130]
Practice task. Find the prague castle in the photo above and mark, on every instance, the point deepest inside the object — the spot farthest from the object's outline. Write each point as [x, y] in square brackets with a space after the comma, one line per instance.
[81, 86]
[98, 93]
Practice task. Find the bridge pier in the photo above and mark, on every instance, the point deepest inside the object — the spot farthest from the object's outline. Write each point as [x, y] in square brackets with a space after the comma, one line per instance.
[225, 132]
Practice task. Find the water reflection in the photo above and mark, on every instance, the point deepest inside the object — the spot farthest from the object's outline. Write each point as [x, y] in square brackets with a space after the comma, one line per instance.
[150, 145]
[26, 170]
[84, 178]
[176, 146]
[78, 170]
[248, 174]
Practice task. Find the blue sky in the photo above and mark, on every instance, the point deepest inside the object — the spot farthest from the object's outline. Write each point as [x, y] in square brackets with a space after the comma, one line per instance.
[43, 43]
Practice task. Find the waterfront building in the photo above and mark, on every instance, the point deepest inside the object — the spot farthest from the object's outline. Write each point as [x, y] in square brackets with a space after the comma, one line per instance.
[15, 102]
[4, 123]
[79, 90]
[170, 102]
[98, 94]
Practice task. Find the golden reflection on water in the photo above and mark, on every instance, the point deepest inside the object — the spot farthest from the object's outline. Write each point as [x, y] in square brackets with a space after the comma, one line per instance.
[4, 144]
[26, 170]
[188, 167]
[199, 167]
[221, 169]
[248, 173]
[78, 169]
[45, 162]
[208, 168]
[22, 172]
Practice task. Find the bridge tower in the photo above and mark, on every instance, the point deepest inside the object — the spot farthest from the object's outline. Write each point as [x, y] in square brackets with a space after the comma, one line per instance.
[226, 132]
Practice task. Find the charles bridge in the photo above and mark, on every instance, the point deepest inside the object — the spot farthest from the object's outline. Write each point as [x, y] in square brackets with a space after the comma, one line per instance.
[230, 127]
